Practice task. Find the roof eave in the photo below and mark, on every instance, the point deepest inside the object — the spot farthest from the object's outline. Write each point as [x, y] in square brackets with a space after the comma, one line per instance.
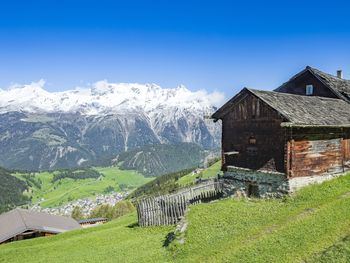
[223, 110]
[301, 125]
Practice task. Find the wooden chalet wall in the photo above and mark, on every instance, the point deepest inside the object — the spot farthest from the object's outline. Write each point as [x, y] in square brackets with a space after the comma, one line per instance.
[298, 86]
[317, 151]
[316, 157]
[251, 118]
[346, 149]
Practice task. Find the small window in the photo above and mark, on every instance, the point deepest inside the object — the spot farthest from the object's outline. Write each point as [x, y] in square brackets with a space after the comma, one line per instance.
[309, 89]
[252, 140]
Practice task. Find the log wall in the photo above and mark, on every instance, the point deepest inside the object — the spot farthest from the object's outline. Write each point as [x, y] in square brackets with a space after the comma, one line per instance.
[252, 118]
[320, 157]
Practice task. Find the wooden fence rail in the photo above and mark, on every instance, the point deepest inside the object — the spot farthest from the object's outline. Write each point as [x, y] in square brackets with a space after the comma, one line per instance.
[169, 209]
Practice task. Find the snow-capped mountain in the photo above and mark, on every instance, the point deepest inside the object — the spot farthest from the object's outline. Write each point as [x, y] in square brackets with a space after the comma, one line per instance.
[46, 130]
[105, 98]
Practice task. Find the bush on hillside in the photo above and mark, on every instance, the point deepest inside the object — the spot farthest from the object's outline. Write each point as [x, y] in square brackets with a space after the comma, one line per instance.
[112, 212]
[77, 213]
[122, 208]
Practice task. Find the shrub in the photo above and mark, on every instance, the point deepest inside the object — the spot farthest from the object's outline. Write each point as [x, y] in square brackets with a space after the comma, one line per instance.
[77, 213]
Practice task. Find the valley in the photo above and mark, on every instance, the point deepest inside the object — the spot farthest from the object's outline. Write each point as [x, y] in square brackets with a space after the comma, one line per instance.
[48, 193]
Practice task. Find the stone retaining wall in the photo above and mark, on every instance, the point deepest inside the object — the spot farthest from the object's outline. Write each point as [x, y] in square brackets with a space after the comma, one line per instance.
[246, 182]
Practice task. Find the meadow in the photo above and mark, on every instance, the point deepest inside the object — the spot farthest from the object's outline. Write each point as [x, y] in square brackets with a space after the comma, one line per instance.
[49, 193]
[311, 226]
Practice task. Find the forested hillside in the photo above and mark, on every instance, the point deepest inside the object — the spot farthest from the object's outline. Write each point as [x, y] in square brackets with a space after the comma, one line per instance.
[171, 182]
[161, 185]
[11, 191]
[155, 160]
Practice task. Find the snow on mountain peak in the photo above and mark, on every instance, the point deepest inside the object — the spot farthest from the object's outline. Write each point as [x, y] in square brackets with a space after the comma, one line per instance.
[103, 97]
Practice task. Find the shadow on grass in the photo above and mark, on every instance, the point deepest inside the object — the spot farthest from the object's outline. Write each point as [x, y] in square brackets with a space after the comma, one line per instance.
[170, 237]
[133, 225]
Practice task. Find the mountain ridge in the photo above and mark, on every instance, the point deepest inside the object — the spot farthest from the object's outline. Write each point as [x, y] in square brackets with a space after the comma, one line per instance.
[104, 97]
[40, 130]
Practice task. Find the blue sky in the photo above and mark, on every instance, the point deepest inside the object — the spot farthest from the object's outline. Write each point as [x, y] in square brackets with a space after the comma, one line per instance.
[212, 45]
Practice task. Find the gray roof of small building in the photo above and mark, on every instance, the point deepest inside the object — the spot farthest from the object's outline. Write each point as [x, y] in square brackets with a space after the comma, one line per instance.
[19, 220]
[340, 87]
[300, 110]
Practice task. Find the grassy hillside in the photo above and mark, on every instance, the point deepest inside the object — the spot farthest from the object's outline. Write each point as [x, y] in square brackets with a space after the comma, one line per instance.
[168, 183]
[312, 226]
[210, 172]
[50, 193]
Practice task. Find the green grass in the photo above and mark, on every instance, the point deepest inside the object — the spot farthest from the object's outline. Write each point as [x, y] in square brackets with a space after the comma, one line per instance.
[312, 226]
[112, 242]
[269, 230]
[60, 192]
[210, 172]
[338, 253]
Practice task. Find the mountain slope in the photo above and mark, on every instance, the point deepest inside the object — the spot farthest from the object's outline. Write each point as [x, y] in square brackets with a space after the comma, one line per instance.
[40, 130]
[155, 160]
[295, 229]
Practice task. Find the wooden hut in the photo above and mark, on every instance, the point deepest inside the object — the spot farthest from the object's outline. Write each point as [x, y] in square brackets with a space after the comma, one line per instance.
[274, 142]
[20, 224]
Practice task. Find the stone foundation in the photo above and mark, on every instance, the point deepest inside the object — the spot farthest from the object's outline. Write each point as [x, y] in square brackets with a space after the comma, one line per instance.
[251, 183]
[246, 182]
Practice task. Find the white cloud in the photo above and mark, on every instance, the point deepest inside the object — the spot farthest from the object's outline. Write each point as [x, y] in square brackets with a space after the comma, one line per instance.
[217, 98]
[35, 84]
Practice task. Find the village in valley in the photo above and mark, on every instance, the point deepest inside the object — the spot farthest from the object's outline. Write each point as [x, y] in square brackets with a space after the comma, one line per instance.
[86, 204]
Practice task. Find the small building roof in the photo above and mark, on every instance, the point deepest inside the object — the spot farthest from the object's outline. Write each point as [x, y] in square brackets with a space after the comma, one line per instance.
[19, 220]
[299, 110]
[339, 86]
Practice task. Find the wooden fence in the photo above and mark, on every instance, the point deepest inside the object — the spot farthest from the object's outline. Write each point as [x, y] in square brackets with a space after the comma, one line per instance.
[169, 209]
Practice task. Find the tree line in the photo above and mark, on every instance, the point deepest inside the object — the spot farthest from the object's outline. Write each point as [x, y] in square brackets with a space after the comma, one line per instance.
[76, 174]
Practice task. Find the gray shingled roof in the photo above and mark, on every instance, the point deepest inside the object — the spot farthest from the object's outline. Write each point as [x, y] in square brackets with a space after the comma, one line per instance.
[300, 110]
[307, 110]
[19, 220]
[338, 85]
